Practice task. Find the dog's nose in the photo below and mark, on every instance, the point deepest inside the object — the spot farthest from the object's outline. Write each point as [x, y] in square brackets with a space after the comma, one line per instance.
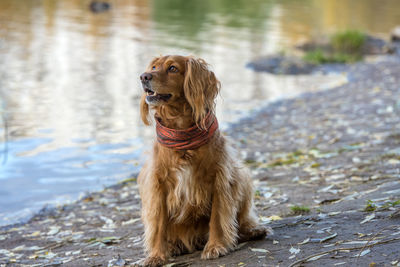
[146, 77]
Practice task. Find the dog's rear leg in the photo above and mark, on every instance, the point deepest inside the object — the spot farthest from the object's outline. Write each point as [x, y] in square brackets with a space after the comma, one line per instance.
[249, 229]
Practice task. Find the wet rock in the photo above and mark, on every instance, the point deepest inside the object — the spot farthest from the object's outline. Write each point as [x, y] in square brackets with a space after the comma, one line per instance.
[395, 35]
[312, 45]
[98, 6]
[376, 46]
[281, 65]
[372, 46]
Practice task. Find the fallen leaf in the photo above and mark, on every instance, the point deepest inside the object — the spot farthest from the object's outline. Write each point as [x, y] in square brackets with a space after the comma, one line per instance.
[109, 223]
[37, 233]
[293, 250]
[355, 243]
[259, 250]
[130, 221]
[49, 255]
[368, 218]
[53, 230]
[270, 218]
[33, 248]
[33, 257]
[363, 253]
[275, 218]
[317, 257]
[118, 262]
[305, 241]
[326, 189]
[96, 244]
[65, 260]
[5, 252]
[19, 248]
[328, 238]
[76, 252]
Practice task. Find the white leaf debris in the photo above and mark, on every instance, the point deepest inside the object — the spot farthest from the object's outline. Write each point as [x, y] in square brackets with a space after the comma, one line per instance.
[53, 230]
[259, 250]
[365, 252]
[317, 257]
[293, 250]
[368, 218]
[328, 238]
[132, 221]
[305, 241]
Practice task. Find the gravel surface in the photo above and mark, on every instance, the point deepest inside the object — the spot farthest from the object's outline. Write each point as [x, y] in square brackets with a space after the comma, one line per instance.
[326, 169]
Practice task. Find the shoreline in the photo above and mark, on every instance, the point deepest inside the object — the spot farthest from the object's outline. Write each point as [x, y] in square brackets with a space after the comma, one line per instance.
[329, 151]
[247, 114]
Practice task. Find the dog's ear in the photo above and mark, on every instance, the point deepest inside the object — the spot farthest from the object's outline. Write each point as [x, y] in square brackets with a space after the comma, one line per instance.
[200, 88]
[144, 110]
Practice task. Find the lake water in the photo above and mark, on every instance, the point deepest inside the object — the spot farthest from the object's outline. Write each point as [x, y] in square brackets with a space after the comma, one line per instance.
[69, 87]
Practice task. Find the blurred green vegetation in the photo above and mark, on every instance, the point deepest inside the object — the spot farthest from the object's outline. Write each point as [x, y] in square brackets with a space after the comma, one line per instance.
[298, 210]
[350, 41]
[318, 56]
[344, 47]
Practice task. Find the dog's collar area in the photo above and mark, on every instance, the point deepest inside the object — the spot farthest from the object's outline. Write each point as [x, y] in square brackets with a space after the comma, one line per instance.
[188, 139]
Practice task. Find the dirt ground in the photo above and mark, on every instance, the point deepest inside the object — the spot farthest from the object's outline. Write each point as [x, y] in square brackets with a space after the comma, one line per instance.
[326, 169]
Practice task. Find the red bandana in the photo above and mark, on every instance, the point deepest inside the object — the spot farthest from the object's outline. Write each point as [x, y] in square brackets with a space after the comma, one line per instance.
[187, 139]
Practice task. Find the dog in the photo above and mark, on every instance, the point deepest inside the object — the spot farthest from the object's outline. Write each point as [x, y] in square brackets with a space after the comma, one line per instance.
[195, 193]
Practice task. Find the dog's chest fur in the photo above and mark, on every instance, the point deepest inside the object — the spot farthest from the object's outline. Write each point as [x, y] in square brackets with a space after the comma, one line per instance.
[190, 195]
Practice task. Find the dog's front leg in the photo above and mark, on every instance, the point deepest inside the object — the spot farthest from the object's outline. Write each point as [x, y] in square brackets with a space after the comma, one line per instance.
[223, 231]
[155, 222]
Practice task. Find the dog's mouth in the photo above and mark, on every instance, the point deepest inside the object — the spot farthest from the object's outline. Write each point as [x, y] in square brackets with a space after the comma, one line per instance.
[154, 97]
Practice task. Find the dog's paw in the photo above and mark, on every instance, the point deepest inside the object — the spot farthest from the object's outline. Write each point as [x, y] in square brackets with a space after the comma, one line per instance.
[213, 251]
[153, 261]
[256, 233]
[177, 248]
[260, 232]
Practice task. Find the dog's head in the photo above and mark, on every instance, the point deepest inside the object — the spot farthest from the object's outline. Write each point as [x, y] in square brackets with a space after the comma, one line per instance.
[177, 80]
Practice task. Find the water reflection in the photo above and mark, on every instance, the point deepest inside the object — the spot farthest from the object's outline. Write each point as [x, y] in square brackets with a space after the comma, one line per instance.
[69, 87]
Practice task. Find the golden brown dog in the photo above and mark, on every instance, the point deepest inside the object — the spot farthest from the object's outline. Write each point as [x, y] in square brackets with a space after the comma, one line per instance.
[193, 196]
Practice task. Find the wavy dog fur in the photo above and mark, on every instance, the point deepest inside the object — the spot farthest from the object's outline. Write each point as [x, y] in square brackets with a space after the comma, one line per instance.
[191, 199]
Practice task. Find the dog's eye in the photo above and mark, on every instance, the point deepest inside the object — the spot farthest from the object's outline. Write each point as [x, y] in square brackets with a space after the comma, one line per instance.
[172, 69]
[153, 68]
